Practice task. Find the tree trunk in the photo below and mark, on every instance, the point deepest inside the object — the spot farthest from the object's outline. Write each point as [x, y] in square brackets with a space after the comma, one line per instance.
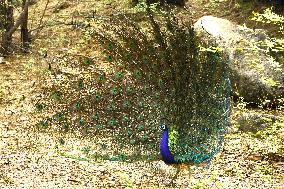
[8, 21]
[9, 26]
[24, 29]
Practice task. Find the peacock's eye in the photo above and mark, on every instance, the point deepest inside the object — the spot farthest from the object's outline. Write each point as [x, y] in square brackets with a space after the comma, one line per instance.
[163, 126]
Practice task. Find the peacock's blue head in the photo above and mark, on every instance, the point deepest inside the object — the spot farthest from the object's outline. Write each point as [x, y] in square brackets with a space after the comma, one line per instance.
[163, 127]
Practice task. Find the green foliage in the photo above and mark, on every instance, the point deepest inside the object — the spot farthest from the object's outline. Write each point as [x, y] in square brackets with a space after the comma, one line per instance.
[268, 16]
[142, 6]
[241, 104]
[16, 2]
[280, 104]
[120, 157]
[74, 157]
[273, 130]
[269, 141]
[127, 179]
[43, 52]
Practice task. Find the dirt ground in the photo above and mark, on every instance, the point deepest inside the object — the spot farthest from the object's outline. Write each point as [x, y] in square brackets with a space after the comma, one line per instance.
[32, 159]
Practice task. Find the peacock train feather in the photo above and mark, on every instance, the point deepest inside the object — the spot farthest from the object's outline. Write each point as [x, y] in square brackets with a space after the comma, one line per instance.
[152, 66]
[198, 139]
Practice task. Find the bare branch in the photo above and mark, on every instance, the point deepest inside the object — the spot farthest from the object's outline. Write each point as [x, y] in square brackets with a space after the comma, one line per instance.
[40, 22]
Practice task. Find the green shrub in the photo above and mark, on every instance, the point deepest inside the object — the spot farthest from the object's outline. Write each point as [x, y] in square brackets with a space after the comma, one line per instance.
[269, 17]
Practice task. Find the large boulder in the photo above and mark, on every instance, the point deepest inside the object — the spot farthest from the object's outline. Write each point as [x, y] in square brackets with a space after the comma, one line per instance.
[256, 76]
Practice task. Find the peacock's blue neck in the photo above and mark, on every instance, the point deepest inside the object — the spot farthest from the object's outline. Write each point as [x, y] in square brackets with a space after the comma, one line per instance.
[164, 148]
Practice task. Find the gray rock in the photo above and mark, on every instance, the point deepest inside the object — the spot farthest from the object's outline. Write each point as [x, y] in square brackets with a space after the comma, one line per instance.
[255, 74]
[253, 122]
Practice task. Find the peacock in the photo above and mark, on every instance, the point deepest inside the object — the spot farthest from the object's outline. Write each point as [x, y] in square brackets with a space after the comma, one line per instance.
[151, 69]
